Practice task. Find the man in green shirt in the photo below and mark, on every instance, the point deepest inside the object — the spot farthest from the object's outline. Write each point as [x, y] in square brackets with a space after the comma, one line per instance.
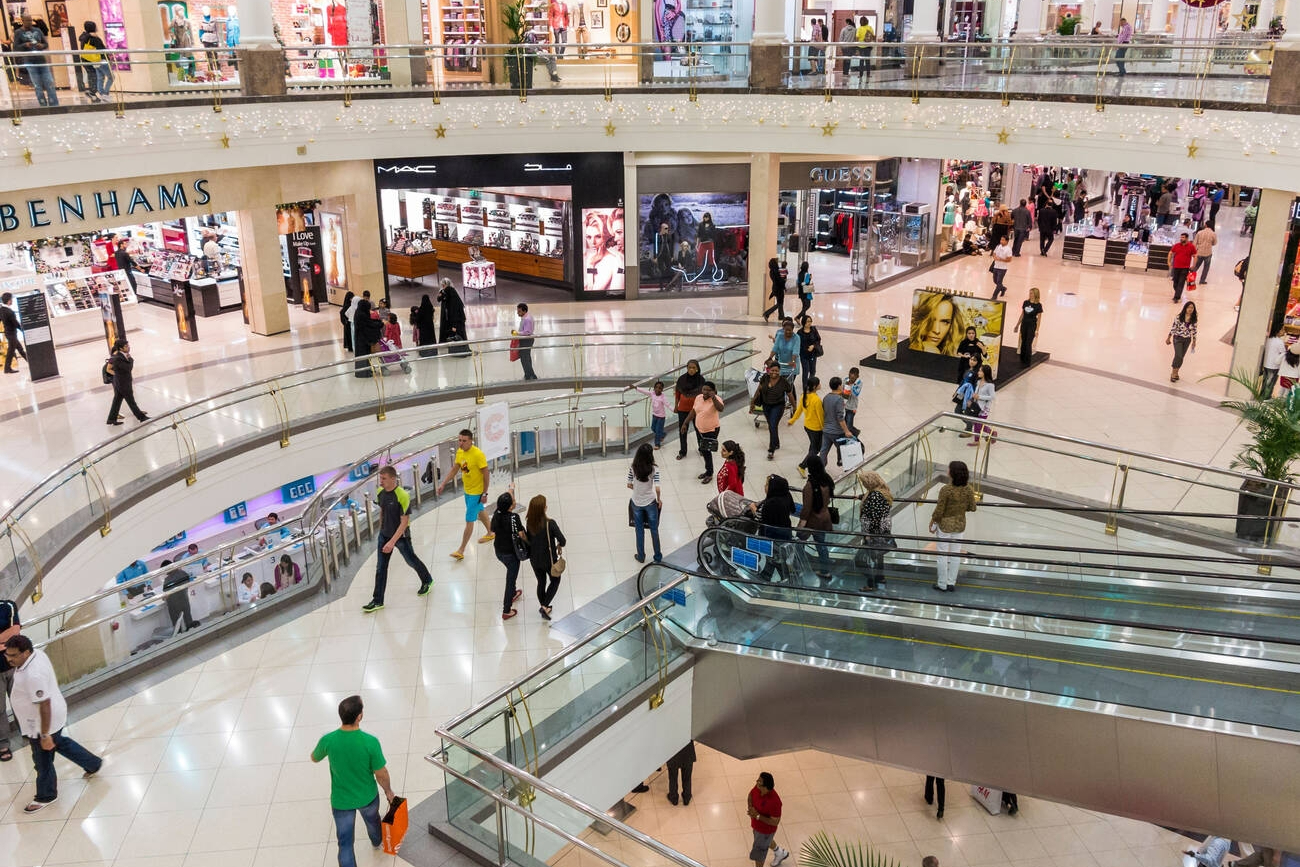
[356, 765]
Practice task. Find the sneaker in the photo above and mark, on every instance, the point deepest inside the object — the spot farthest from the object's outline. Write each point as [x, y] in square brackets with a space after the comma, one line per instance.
[371, 607]
[781, 855]
[486, 537]
[424, 589]
[37, 806]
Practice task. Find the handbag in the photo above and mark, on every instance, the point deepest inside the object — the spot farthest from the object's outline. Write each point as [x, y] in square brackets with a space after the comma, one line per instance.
[522, 549]
[834, 513]
[558, 565]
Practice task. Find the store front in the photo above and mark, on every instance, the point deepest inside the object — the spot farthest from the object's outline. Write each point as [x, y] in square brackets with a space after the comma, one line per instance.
[315, 33]
[876, 213]
[553, 220]
[693, 228]
[64, 20]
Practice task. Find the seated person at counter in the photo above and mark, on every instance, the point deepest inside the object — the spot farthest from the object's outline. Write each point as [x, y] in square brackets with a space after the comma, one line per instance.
[130, 573]
[178, 604]
[246, 593]
[287, 573]
[192, 551]
[272, 520]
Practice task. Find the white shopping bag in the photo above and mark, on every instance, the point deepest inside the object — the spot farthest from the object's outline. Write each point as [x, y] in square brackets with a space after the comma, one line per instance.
[990, 799]
[850, 454]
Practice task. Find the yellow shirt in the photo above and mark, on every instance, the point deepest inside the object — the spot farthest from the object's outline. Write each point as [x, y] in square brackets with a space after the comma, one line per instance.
[813, 416]
[472, 463]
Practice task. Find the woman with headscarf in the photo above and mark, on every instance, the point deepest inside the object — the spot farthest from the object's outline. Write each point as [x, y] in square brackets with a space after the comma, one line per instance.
[426, 333]
[452, 326]
[366, 333]
[345, 316]
[688, 387]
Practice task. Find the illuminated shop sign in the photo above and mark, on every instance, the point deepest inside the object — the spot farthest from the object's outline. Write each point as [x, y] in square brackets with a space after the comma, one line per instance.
[826, 175]
[854, 175]
[100, 205]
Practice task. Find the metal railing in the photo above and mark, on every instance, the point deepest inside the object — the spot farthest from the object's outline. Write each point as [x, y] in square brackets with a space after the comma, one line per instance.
[84, 493]
[1230, 68]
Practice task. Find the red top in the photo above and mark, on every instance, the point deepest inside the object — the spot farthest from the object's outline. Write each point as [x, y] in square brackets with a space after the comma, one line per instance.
[1182, 254]
[393, 333]
[338, 24]
[766, 805]
[729, 478]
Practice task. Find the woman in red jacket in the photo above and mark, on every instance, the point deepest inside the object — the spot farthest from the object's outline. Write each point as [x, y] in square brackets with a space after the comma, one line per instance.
[731, 475]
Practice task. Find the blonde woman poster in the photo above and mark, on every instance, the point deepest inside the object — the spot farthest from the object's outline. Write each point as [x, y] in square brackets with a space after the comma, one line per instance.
[940, 321]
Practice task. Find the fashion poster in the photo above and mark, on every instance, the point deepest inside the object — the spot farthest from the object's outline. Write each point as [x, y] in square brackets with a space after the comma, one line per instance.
[940, 321]
[306, 273]
[604, 257]
[336, 274]
[690, 240]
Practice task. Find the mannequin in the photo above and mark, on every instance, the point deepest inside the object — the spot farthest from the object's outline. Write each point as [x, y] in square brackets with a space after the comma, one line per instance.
[336, 16]
[949, 221]
[232, 27]
[560, 25]
[582, 32]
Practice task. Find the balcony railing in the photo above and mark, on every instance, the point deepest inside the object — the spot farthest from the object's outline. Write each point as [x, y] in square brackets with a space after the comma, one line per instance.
[1226, 70]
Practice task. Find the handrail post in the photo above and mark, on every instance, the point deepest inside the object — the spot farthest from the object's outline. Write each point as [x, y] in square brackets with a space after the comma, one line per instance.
[559, 443]
[356, 529]
[415, 482]
[334, 551]
[627, 441]
[582, 440]
[370, 515]
[537, 446]
[604, 437]
[514, 452]
[502, 860]
[1117, 502]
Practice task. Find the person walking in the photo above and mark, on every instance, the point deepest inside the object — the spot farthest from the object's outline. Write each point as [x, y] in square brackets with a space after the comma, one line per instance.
[1204, 241]
[1021, 223]
[934, 786]
[471, 465]
[847, 40]
[1181, 257]
[731, 475]
[646, 503]
[345, 317]
[1049, 220]
[948, 523]
[358, 771]
[706, 413]
[10, 626]
[773, 394]
[681, 765]
[524, 340]
[1123, 37]
[685, 390]
[121, 365]
[658, 410]
[835, 421]
[785, 350]
[41, 711]
[810, 348]
[1182, 335]
[510, 544]
[451, 325]
[367, 331]
[803, 284]
[876, 518]
[1274, 352]
[394, 533]
[764, 809]
[982, 400]
[11, 325]
[815, 515]
[998, 267]
[1001, 225]
[30, 38]
[99, 70]
[426, 330]
[1031, 314]
[810, 407]
[545, 551]
[776, 291]
[852, 391]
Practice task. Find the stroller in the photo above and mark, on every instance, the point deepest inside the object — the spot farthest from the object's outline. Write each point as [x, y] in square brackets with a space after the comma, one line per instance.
[393, 355]
[728, 506]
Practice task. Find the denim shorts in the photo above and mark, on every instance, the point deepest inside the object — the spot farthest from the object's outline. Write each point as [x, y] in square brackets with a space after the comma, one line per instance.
[762, 842]
[473, 507]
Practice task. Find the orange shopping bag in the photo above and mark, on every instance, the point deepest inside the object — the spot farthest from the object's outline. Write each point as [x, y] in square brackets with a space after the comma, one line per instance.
[394, 826]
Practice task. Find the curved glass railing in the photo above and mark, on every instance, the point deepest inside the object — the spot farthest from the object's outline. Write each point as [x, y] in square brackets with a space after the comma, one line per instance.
[83, 494]
[87, 642]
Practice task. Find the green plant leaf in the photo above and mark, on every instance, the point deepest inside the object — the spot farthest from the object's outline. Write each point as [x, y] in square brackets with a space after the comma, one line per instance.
[822, 850]
[1273, 423]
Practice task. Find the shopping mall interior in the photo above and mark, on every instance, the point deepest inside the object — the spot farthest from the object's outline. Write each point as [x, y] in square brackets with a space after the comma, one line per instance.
[1097, 201]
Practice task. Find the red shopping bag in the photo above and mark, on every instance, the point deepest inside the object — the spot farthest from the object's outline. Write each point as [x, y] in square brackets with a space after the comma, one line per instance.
[394, 826]
[514, 350]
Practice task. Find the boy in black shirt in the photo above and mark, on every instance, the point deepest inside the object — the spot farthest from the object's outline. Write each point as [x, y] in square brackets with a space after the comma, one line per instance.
[394, 520]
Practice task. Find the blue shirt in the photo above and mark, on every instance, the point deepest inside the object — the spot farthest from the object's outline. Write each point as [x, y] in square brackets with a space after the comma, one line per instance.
[786, 352]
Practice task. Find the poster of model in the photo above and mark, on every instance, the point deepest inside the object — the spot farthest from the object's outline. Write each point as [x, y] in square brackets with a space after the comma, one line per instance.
[693, 240]
[941, 320]
[603, 251]
[336, 273]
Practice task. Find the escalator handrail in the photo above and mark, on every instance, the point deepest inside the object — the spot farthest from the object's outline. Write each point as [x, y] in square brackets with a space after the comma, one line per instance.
[1105, 510]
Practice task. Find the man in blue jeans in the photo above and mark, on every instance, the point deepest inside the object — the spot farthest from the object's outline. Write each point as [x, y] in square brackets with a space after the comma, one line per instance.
[394, 522]
[356, 765]
[29, 37]
[42, 713]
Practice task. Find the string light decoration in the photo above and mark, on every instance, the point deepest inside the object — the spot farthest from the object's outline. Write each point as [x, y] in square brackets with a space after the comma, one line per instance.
[785, 123]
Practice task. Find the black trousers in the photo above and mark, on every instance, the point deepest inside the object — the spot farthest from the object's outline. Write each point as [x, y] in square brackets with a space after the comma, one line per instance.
[778, 307]
[178, 608]
[1017, 240]
[547, 584]
[682, 430]
[1027, 345]
[934, 786]
[814, 446]
[116, 407]
[684, 769]
[708, 445]
[14, 348]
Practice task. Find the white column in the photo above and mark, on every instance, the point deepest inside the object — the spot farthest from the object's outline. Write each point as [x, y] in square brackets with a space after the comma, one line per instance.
[1159, 13]
[1103, 11]
[256, 26]
[764, 205]
[769, 21]
[631, 229]
[1234, 9]
[925, 21]
[1030, 25]
[1266, 253]
[1265, 14]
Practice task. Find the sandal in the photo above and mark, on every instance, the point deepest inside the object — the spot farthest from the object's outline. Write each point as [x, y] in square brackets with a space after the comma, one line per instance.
[6, 754]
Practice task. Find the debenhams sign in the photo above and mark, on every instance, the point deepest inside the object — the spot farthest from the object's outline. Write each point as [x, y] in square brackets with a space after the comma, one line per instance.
[74, 209]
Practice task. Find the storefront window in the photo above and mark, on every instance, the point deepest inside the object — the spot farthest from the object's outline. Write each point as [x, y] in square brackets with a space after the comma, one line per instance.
[693, 241]
[196, 35]
[314, 32]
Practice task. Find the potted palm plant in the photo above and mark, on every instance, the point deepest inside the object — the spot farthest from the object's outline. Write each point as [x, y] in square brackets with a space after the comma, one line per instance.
[519, 60]
[822, 850]
[1274, 426]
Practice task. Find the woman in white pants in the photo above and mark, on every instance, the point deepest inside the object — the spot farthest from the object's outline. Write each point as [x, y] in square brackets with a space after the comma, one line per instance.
[948, 523]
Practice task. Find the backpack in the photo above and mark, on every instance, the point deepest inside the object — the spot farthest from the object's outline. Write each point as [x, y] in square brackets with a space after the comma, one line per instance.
[89, 56]
[106, 372]
[1239, 270]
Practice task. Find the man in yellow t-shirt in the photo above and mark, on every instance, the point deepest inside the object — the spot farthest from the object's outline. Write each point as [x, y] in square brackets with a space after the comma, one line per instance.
[471, 464]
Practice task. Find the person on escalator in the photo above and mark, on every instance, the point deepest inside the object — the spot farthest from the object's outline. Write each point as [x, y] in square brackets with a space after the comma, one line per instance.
[948, 523]
[876, 514]
[775, 513]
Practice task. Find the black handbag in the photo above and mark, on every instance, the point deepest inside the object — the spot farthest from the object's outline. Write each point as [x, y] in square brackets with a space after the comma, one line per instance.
[835, 514]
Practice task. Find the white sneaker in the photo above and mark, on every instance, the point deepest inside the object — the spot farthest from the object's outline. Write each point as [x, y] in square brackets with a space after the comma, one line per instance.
[781, 855]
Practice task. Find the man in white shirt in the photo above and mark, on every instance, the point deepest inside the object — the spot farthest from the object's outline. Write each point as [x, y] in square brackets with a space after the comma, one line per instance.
[42, 713]
[1001, 261]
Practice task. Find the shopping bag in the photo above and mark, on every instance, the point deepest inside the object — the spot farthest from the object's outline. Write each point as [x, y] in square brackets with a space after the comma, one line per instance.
[850, 453]
[514, 350]
[990, 799]
[394, 826]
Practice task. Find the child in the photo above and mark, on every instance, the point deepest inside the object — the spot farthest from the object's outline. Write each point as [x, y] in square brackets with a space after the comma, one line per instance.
[658, 410]
[852, 391]
[964, 397]
[245, 593]
[393, 331]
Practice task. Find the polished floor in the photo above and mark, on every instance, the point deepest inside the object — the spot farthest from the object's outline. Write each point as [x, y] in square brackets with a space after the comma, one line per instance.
[210, 766]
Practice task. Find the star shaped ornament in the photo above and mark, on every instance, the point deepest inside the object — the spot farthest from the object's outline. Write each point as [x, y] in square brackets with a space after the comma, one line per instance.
[1003, 136]
[225, 140]
[829, 128]
[1192, 150]
[610, 128]
[440, 130]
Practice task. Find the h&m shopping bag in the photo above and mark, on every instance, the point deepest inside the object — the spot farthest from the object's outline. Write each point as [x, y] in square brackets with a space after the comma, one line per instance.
[394, 826]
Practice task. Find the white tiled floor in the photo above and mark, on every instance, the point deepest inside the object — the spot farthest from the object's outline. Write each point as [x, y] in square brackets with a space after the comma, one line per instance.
[210, 767]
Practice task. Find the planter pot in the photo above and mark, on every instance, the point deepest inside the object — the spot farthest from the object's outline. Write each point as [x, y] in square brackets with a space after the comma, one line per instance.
[519, 70]
[1255, 499]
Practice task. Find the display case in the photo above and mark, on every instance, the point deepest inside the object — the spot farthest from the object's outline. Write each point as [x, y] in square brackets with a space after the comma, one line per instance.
[76, 308]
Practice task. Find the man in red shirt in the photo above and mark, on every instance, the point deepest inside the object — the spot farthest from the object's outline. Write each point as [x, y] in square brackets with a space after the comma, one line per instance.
[764, 816]
[1181, 257]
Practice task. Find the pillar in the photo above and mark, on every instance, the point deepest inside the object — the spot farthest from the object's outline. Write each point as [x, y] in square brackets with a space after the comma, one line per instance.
[1235, 8]
[1284, 80]
[925, 21]
[1103, 11]
[1266, 12]
[1159, 15]
[767, 63]
[764, 207]
[1260, 295]
[402, 26]
[259, 250]
[1029, 23]
[144, 30]
[261, 59]
[631, 229]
